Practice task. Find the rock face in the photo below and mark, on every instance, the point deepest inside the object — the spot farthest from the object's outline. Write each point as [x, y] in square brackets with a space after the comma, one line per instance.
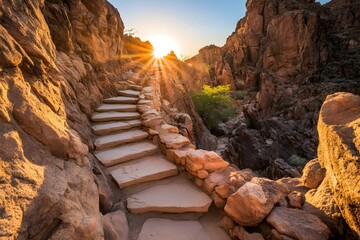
[56, 64]
[297, 224]
[289, 55]
[339, 152]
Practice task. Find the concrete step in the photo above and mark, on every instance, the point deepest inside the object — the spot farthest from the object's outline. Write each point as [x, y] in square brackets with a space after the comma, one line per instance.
[114, 116]
[111, 127]
[170, 198]
[121, 100]
[125, 153]
[108, 107]
[120, 138]
[165, 229]
[142, 170]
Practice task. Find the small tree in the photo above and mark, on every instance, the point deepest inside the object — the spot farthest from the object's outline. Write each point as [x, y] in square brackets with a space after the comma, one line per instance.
[214, 105]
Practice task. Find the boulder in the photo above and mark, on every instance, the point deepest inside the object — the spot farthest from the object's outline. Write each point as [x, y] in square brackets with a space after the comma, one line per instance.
[321, 203]
[295, 199]
[242, 234]
[227, 181]
[297, 224]
[313, 174]
[252, 202]
[207, 160]
[338, 152]
[115, 226]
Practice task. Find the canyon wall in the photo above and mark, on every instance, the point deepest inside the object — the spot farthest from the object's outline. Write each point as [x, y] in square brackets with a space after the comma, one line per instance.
[288, 55]
[58, 59]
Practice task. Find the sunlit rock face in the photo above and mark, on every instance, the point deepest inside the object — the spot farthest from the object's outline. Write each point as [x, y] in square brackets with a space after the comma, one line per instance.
[288, 55]
[339, 152]
[57, 61]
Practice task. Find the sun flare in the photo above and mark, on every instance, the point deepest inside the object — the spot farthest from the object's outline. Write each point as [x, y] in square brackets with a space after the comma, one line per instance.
[163, 45]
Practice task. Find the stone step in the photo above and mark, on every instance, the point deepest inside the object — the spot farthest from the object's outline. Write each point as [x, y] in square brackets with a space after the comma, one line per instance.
[146, 169]
[125, 153]
[129, 93]
[170, 198]
[135, 87]
[114, 116]
[165, 229]
[111, 127]
[120, 138]
[121, 100]
[108, 107]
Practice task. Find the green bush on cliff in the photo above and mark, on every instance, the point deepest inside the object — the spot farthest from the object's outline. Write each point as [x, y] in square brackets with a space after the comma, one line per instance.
[214, 105]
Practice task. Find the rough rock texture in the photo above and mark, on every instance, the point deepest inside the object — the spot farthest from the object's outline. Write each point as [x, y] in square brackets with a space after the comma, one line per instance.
[57, 63]
[297, 224]
[339, 152]
[313, 174]
[115, 225]
[252, 202]
[288, 55]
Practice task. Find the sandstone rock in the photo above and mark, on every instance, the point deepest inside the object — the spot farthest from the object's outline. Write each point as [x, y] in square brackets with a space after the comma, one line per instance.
[227, 177]
[313, 174]
[202, 159]
[227, 223]
[218, 201]
[153, 121]
[105, 193]
[252, 202]
[338, 152]
[202, 174]
[295, 199]
[242, 234]
[321, 203]
[115, 225]
[297, 224]
[173, 140]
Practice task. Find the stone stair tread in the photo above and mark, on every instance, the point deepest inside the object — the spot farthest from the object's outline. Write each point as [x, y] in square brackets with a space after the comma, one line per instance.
[121, 99]
[135, 87]
[129, 93]
[113, 156]
[170, 198]
[120, 138]
[165, 229]
[142, 170]
[110, 127]
[108, 107]
[113, 116]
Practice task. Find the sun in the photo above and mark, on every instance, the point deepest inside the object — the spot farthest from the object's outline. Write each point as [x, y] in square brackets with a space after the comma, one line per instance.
[163, 45]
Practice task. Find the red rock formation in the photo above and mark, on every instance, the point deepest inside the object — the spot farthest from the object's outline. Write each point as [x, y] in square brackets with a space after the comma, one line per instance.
[57, 61]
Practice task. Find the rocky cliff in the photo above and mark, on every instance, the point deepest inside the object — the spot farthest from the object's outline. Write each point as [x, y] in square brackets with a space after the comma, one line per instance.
[292, 54]
[58, 59]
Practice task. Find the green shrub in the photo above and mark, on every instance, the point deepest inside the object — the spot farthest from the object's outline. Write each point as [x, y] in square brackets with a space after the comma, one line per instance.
[214, 105]
[297, 161]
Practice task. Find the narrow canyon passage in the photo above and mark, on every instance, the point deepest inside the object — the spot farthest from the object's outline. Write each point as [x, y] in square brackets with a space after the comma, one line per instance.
[161, 202]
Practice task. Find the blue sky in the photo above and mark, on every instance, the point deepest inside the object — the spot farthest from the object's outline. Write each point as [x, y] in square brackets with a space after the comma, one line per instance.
[192, 24]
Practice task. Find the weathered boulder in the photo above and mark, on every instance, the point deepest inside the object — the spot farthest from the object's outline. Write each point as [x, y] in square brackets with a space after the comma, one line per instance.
[252, 202]
[207, 160]
[313, 174]
[320, 202]
[115, 226]
[297, 224]
[338, 152]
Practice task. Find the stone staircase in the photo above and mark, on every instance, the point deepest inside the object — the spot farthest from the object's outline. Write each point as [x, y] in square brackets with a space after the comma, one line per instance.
[149, 181]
